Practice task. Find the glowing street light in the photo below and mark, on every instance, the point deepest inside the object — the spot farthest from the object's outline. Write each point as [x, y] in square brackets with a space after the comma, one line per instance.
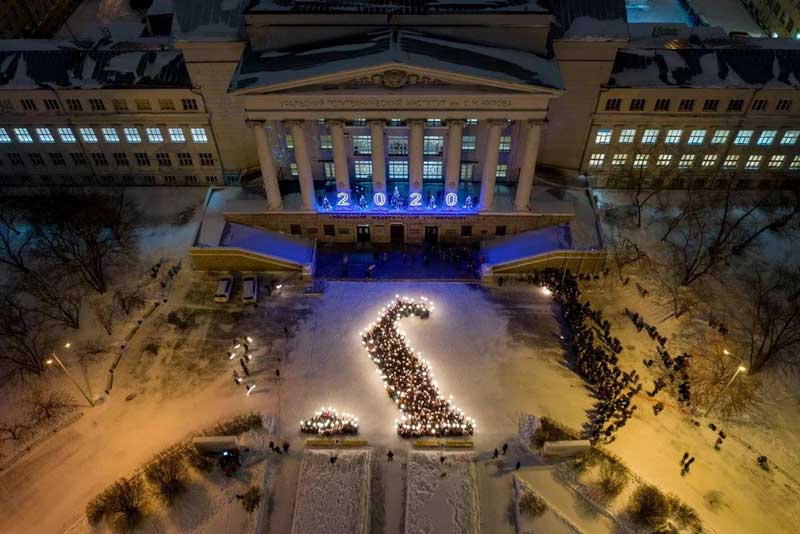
[55, 359]
[740, 369]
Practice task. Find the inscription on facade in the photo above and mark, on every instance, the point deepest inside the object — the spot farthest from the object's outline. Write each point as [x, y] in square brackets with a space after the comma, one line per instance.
[399, 103]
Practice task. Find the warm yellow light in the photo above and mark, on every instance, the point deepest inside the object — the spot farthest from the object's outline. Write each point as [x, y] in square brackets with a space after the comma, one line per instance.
[725, 352]
[742, 368]
[67, 345]
[49, 361]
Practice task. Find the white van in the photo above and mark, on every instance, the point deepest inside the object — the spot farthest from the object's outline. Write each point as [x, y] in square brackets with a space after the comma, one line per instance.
[250, 288]
[224, 288]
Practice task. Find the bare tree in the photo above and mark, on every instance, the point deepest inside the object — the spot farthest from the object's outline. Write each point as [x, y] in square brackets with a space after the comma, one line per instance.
[55, 292]
[16, 235]
[45, 403]
[104, 313]
[14, 430]
[130, 298]
[25, 337]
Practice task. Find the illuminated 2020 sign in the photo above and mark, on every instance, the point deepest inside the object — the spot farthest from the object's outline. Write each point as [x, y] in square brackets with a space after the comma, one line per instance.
[415, 201]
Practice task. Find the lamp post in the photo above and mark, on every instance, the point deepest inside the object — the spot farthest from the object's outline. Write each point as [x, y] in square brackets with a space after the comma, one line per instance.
[55, 359]
[740, 369]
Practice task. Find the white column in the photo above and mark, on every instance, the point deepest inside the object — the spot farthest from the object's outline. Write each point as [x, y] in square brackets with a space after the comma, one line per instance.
[340, 164]
[490, 159]
[415, 155]
[453, 170]
[378, 156]
[303, 161]
[528, 168]
[269, 176]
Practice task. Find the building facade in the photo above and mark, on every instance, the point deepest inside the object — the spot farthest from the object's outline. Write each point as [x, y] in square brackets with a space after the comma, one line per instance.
[779, 17]
[33, 18]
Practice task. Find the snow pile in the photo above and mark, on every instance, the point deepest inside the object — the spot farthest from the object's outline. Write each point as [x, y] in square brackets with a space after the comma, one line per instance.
[333, 497]
[442, 497]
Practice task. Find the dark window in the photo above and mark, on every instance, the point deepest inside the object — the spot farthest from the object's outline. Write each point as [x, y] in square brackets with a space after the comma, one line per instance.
[662, 104]
[211, 179]
[142, 159]
[783, 104]
[51, 104]
[121, 158]
[466, 231]
[119, 104]
[686, 104]
[759, 105]
[500, 230]
[15, 159]
[99, 159]
[73, 104]
[163, 159]
[78, 158]
[206, 159]
[57, 159]
[189, 104]
[190, 179]
[97, 104]
[149, 179]
[735, 105]
[711, 104]
[613, 104]
[329, 229]
[296, 229]
[184, 159]
[637, 104]
[28, 104]
[169, 179]
[36, 160]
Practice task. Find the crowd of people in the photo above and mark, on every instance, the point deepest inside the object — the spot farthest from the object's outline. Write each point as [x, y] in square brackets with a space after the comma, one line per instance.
[241, 349]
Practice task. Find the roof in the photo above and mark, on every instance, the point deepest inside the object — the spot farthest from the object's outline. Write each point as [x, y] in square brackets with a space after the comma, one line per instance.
[399, 7]
[405, 47]
[526, 245]
[275, 245]
[32, 65]
[206, 20]
[589, 19]
[703, 67]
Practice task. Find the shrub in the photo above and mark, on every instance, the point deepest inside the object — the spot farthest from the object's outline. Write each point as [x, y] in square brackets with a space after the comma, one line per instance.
[614, 476]
[234, 426]
[649, 507]
[587, 460]
[531, 504]
[550, 430]
[97, 508]
[126, 502]
[683, 514]
[198, 461]
[251, 498]
[167, 474]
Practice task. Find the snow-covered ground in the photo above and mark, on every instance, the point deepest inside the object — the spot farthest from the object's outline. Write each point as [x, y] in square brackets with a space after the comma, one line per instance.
[333, 497]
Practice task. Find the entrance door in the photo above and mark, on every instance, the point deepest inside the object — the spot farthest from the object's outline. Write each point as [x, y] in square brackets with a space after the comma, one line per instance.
[362, 233]
[431, 234]
[397, 233]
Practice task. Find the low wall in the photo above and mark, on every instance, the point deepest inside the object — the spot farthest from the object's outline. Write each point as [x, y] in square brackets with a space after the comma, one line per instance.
[236, 259]
[577, 261]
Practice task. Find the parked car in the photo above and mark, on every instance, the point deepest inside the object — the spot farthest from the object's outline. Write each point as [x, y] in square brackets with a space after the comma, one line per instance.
[224, 288]
[249, 288]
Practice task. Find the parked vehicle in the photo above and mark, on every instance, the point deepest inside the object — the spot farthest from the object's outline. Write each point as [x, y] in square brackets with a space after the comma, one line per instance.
[250, 288]
[224, 288]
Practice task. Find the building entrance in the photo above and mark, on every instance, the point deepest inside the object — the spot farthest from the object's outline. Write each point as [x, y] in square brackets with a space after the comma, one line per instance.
[431, 235]
[362, 233]
[397, 233]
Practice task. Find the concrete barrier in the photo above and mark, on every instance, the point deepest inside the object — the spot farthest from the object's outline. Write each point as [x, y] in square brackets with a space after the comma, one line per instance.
[563, 449]
[215, 444]
[331, 443]
[436, 444]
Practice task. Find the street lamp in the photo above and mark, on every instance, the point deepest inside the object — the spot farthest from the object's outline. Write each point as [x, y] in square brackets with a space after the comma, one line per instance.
[55, 359]
[740, 369]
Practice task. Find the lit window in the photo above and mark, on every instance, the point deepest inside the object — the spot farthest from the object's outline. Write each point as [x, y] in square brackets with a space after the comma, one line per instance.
[641, 160]
[176, 135]
[664, 160]
[697, 137]
[4, 137]
[619, 160]
[432, 170]
[433, 122]
[767, 137]
[433, 145]
[505, 143]
[398, 145]
[472, 121]
[329, 170]
[596, 160]
[289, 141]
[753, 162]
[132, 135]
[468, 142]
[501, 171]
[362, 144]
[67, 135]
[673, 136]
[720, 137]
[199, 135]
[326, 142]
[110, 135]
[467, 170]
[398, 170]
[88, 135]
[686, 161]
[627, 135]
[154, 135]
[293, 169]
[795, 164]
[776, 161]
[709, 160]
[649, 136]
[731, 161]
[603, 136]
[45, 135]
[359, 122]
[790, 137]
[363, 170]
[23, 135]
[743, 137]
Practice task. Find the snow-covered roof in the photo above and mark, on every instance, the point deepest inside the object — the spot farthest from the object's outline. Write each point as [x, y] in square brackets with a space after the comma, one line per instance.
[283, 247]
[411, 48]
[206, 20]
[589, 19]
[526, 245]
[395, 6]
[703, 67]
[32, 64]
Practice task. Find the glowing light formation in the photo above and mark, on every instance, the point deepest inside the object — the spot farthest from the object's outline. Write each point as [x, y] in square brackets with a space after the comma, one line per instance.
[408, 377]
[327, 421]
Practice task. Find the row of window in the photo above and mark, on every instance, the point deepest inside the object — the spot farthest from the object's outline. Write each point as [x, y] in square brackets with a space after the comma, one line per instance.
[398, 170]
[131, 134]
[97, 104]
[649, 136]
[100, 159]
[689, 104]
[687, 161]
[432, 145]
[330, 230]
[110, 179]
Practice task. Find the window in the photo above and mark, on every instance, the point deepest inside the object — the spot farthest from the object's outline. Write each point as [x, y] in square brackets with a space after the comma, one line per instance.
[142, 104]
[329, 229]
[28, 104]
[767, 137]
[735, 105]
[662, 104]
[67, 135]
[795, 164]
[163, 159]
[154, 135]
[142, 159]
[166, 104]
[4, 137]
[468, 142]
[731, 161]
[432, 170]
[211, 179]
[45, 135]
[325, 142]
[686, 104]
[363, 170]
[673, 137]
[36, 159]
[189, 104]
[57, 159]
[119, 104]
[78, 159]
[709, 160]
[132, 135]
[289, 141]
[51, 104]
[362, 145]
[433, 122]
[296, 229]
[169, 179]
[121, 158]
[776, 161]
[206, 159]
[759, 105]
[697, 137]
[395, 122]
[784, 104]
[96, 104]
[329, 170]
[16, 159]
[603, 136]
[467, 171]
[720, 137]
[627, 135]
[99, 159]
[596, 160]
[398, 145]
[398, 170]
[613, 104]
[176, 135]
[433, 145]
[649, 136]
[6, 105]
[190, 179]
[293, 169]
[641, 160]
[199, 135]
[466, 231]
[711, 104]
[505, 143]
[753, 162]
[500, 229]
[743, 137]
[73, 104]
[472, 122]
[501, 171]
[619, 160]
[110, 135]
[664, 160]
[23, 136]
[359, 122]
[790, 137]
[637, 104]
[184, 159]
[686, 161]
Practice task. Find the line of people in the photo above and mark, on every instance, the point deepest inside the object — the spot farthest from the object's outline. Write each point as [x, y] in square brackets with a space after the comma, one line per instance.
[242, 346]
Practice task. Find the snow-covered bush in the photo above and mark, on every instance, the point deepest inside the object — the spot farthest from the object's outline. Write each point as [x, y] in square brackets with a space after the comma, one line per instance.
[649, 507]
[126, 504]
[550, 430]
[614, 476]
[167, 474]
